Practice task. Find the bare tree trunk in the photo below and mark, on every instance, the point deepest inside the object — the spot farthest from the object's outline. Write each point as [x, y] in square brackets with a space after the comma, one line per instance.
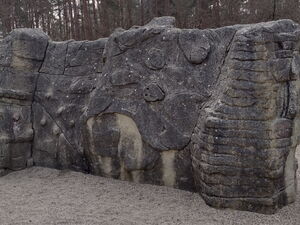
[129, 15]
[76, 21]
[274, 10]
[36, 16]
[86, 20]
[104, 18]
[99, 5]
[142, 12]
[166, 8]
[95, 22]
[70, 9]
[61, 32]
[50, 13]
[66, 20]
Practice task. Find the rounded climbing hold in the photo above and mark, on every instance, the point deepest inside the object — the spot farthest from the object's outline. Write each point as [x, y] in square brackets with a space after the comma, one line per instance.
[195, 46]
[43, 121]
[72, 123]
[60, 110]
[155, 59]
[56, 130]
[16, 117]
[153, 92]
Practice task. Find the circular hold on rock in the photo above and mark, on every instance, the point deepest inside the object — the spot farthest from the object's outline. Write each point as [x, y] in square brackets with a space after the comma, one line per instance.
[155, 59]
[292, 112]
[60, 110]
[198, 55]
[16, 117]
[56, 130]
[49, 94]
[123, 77]
[72, 123]
[43, 121]
[153, 93]
[282, 128]
[195, 46]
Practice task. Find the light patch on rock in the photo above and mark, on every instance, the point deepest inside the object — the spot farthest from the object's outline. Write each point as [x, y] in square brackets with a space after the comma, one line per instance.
[168, 168]
[134, 154]
[106, 167]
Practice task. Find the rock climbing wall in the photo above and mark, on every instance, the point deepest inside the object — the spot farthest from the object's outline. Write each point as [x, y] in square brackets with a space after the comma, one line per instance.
[213, 111]
[21, 56]
[66, 78]
[245, 142]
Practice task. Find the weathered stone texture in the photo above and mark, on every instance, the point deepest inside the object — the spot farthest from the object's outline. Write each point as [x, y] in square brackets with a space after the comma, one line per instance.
[21, 55]
[213, 111]
[244, 144]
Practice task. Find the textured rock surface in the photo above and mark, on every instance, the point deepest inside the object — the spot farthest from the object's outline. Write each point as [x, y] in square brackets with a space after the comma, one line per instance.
[21, 56]
[209, 110]
[244, 144]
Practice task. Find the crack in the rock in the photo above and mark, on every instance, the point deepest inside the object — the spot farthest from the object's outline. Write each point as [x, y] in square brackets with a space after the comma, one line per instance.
[65, 61]
[286, 102]
[33, 100]
[218, 78]
[57, 124]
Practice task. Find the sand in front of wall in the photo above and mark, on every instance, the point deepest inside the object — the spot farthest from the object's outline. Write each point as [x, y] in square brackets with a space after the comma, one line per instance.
[47, 196]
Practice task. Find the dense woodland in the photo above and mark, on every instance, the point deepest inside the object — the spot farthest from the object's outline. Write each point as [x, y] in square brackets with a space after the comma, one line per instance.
[92, 19]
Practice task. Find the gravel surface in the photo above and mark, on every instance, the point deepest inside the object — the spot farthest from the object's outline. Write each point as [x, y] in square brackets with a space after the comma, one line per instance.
[47, 196]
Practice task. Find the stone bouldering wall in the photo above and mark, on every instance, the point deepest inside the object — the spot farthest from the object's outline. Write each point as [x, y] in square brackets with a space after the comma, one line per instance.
[21, 56]
[245, 142]
[213, 111]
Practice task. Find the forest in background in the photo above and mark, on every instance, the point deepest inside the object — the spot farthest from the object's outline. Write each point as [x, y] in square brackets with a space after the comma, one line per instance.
[93, 19]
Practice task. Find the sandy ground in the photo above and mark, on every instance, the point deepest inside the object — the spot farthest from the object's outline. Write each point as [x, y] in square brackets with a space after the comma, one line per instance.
[46, 196]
